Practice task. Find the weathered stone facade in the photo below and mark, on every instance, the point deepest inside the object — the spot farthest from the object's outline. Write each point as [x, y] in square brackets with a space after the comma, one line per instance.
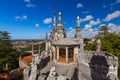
[65, 59]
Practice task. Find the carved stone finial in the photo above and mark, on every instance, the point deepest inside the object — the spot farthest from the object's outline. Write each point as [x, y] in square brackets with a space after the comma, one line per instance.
[98, 45]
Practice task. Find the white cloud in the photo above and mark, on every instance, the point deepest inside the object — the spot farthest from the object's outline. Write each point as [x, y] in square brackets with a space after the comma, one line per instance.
[88, 31]
[49, 26]
[79, 5]
[37, 25]
[102, 25]
[71, 32]
[104, 6]
[114, 28]
[23, 17]
[30, 5]
[113, 15]
[85, 12]
[87, 18]
[92, 22]
[117, 2]
[47, 20]
[28, 1]
[87, 26]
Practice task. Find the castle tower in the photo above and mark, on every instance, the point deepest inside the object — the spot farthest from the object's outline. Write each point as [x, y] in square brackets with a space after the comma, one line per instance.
[77, 34]
[60, 30]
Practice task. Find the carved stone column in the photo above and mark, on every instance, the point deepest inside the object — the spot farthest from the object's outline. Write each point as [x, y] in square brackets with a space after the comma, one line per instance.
[57, 53]
[66, 54]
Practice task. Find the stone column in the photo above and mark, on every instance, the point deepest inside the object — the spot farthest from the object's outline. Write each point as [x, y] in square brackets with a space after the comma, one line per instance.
[57, 53]
[53, 47]
[66, 54]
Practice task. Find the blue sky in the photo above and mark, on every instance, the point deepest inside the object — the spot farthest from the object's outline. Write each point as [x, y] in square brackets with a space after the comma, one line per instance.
[31, 19]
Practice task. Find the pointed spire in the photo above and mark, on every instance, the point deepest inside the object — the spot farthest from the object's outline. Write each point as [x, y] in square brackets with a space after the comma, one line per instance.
[59, 17]
[46, 37]
[78, 22]
[39, 49]
[60, 26]
[54, 21]
[77, 34]
[32, 49]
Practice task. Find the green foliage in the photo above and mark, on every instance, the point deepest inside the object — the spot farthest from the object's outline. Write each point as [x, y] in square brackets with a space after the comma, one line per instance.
[7, 54]
[90, 45]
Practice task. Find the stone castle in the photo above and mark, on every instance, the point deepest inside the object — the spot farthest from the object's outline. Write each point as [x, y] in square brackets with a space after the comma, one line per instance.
[66, 59]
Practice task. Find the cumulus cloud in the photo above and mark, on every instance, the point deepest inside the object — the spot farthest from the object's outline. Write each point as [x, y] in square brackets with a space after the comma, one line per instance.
[104, 6]
[87, 26]
[89, 32]
[92, 22]
[116, 2]
[79, 5]
[37, 25]
[71, 32]
[23, 17]
[114, 28]
[49, 26]
[28, 1]
[113, 15]
[47, 20]
[85, 12]
[29, 4]
[87, 18]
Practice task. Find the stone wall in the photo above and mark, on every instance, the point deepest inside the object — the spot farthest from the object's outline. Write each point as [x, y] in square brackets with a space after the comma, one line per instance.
[103, 63]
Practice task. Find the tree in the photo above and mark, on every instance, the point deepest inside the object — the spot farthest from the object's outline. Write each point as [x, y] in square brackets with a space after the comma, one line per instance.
[103, 30]
[7, 54]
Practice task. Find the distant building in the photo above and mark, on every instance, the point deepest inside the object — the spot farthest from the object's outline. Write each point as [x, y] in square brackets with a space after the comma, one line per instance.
[65, 59]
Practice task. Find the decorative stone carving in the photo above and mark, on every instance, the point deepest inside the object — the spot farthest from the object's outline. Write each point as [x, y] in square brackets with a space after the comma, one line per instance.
[26, 73]
[98, 45]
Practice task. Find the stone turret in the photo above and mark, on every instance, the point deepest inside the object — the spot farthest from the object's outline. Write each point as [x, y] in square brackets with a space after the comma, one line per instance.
[54, 30]
[54, 22]
[60, 30]
[77, 34]
[32, 49]
[59, 19]
[46, 37]
[98, 45]
[47, 42]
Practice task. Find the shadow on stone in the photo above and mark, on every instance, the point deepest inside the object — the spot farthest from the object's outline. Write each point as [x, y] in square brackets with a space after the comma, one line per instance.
[99, 68]
[75, 75]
